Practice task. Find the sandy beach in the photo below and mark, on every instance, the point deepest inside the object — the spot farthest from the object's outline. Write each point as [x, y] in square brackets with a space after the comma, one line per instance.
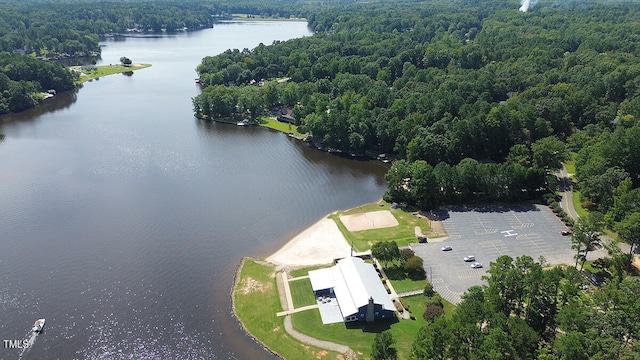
[317, 245]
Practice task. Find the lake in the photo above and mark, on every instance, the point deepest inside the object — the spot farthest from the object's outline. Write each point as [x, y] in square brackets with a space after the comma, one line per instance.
[123, 218]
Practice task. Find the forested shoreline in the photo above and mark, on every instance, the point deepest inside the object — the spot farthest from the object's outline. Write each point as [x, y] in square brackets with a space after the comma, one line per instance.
[480, 101]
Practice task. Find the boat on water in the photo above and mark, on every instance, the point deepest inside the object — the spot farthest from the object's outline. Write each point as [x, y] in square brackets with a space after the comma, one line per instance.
[38, 325]
[244, 122]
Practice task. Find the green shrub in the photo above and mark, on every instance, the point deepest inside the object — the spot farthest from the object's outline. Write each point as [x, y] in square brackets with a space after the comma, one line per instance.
[414, 267]
[428, 290]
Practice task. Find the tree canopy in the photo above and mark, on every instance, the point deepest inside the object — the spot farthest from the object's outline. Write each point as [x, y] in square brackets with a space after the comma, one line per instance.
[526, 312]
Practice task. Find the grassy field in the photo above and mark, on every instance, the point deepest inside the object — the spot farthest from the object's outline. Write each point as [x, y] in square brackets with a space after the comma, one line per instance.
[280, 126]
[302, 293]
[104, 70]
[400, 282]
[403, 234]
[256, 304]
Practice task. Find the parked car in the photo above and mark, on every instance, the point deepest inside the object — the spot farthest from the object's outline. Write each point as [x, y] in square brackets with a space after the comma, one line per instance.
[566, 232]
[476, 265]
[446, 248]
[469, 258]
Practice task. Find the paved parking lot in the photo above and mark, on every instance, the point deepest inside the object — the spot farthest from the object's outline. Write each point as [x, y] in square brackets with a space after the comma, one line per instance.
[487, 233]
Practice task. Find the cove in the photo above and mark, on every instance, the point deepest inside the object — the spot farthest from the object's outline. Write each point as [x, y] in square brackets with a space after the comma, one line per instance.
[123, 218]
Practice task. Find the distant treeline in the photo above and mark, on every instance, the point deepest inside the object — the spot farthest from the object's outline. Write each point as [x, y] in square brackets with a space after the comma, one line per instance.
[74, 27]
[45, 28]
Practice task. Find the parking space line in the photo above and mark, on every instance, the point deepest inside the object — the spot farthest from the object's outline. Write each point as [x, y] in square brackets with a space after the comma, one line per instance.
[470, 273]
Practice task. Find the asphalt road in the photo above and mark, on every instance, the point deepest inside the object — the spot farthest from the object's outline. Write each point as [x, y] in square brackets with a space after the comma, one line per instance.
[566, 191]
[487, 233]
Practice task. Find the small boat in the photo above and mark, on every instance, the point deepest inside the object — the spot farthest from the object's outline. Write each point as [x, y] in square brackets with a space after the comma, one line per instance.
[38, 325]
[244, 122]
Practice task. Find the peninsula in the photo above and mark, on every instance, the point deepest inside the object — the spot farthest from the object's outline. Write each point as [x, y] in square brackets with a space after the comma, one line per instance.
[274, 302]
[91, 72]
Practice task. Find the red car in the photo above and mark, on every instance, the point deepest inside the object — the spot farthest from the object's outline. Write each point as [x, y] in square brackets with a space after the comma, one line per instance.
[566, 232]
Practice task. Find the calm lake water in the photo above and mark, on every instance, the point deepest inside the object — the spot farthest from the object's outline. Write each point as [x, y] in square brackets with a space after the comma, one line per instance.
[123, 218]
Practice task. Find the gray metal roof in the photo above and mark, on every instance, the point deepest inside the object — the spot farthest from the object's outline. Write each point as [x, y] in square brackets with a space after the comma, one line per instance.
[353, 282]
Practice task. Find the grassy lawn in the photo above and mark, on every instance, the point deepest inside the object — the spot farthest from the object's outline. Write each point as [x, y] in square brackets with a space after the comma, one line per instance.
[403, 234]
[571, 163]
[256, 303]
[416, 307]
[305, 271]
[302, 293]
[105, 70]
[358, 338]
[577, 204]
[400, 282]
[280, 126]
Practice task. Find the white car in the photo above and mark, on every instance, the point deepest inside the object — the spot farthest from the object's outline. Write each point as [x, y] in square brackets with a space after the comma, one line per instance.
[476, 265]
[469, 258]
[446, 248]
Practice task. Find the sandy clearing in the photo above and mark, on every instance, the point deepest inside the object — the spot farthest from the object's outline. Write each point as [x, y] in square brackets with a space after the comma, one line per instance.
[369, 220]
[318, 245]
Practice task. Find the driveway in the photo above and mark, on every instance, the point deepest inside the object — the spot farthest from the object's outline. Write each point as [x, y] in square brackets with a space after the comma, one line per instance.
[487, 233]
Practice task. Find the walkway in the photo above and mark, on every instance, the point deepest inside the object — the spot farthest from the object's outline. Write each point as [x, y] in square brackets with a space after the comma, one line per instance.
[298, 335]
[410, 293]
[313, 341]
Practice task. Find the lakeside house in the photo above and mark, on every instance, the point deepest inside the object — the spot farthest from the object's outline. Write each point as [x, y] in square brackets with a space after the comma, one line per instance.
[357, 288]
[285, 115]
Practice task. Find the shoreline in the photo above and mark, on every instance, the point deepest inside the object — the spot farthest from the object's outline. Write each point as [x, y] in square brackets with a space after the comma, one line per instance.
[236, 280]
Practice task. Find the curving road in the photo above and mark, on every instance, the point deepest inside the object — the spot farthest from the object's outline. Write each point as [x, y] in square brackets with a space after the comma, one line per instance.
[565, 190]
